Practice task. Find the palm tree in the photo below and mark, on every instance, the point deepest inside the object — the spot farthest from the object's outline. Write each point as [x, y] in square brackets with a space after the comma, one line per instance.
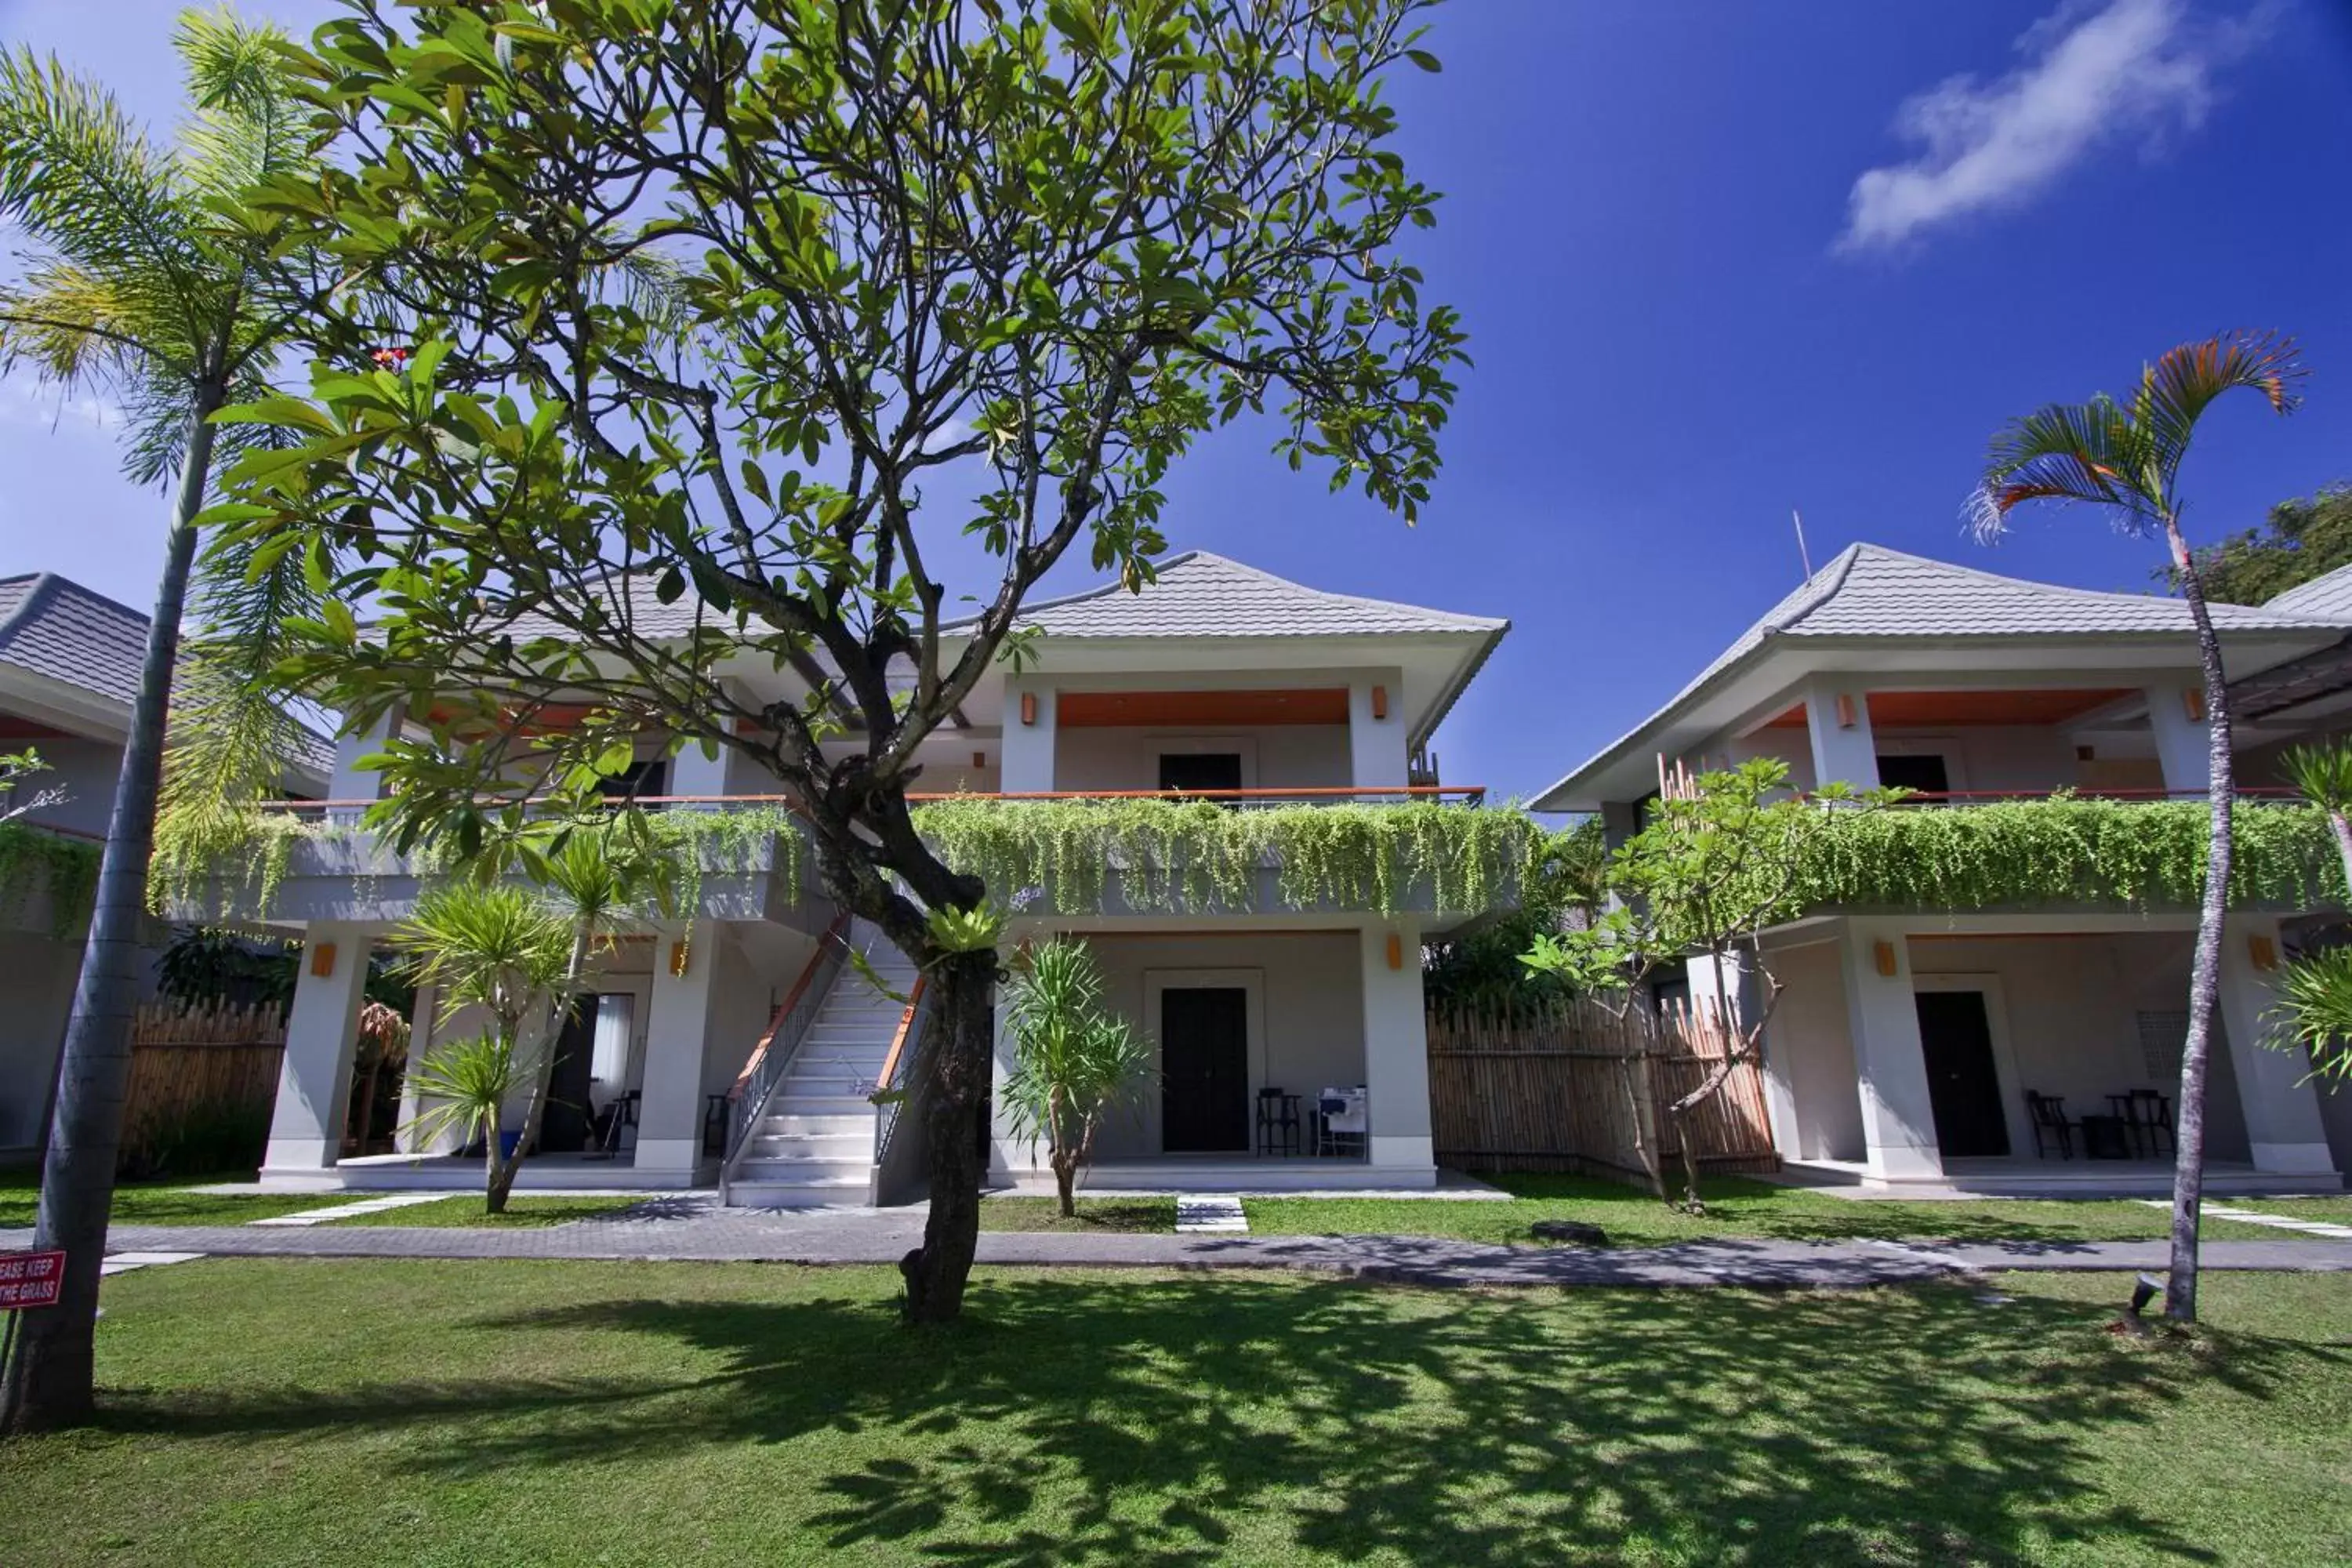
[151, 283]
[2125, 458]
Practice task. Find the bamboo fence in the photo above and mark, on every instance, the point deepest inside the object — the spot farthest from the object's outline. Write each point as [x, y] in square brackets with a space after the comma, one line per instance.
[1578, 1087]
[183, 1058]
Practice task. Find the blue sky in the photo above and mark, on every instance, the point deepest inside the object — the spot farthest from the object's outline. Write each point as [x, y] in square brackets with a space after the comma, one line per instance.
[1717, 261]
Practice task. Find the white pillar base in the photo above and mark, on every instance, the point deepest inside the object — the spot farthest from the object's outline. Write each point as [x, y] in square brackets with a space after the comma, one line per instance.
[2294, 1158]
[1390, 1150]
[300, 1156]
[659, 1155]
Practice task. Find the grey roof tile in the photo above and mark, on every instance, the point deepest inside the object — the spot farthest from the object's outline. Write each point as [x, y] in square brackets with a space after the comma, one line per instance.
[2329, 596]
[59, 629]
[1201, 594]
[1872, 592]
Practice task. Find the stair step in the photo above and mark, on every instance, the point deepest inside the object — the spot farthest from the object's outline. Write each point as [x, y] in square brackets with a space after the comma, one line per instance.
[805, 1172]
[779, 1125]
[800, 1145]
[819, 1105]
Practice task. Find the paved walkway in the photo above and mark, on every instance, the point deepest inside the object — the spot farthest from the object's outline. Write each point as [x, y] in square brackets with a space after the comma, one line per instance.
[837, 1237]
[2327, 1228]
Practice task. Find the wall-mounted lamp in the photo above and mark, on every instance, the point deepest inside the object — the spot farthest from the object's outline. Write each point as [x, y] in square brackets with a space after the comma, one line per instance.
[2192, 702]
[1028, 708]
[1845, 710]
[1396, 951]
[980, 759]
[2263, 951]
[322, 959]
[1380, 702]
[1882, 955]
[678, 954]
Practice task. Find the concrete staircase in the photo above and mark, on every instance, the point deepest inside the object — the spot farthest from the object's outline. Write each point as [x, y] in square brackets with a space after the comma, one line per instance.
[814, 1144]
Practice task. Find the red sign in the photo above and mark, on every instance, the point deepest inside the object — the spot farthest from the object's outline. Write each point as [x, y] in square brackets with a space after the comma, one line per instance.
[30, 1278]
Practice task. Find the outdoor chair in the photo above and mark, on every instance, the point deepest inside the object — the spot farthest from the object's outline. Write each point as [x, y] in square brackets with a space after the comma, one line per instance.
[1340, 1123]
[1277, 1122]
[2048, 1113]
[2148, 1114]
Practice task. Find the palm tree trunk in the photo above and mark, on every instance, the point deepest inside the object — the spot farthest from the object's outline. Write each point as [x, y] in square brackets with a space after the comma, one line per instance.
[50, 1382]
[2205, 972]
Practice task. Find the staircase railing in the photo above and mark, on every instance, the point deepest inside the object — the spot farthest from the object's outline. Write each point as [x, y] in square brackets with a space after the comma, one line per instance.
[772, 1057]
[889, 1098]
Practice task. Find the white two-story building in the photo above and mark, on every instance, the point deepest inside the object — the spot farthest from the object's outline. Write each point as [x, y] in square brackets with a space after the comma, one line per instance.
[1948, 1047]
[735, 1045]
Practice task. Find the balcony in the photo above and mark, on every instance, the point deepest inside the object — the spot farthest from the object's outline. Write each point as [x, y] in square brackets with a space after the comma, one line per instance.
[2145, 850]
[47, 874]
[1425, 850]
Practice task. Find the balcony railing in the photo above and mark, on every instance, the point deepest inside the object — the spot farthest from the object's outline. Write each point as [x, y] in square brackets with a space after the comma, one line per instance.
[2251, 794]
[1334, 795]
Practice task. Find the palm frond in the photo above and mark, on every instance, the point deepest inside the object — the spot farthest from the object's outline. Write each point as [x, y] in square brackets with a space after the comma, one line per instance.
[248, 124]
[84, 181]
[2086, 452]
[2184, 382]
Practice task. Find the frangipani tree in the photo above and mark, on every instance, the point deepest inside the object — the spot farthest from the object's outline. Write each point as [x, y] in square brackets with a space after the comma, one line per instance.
[2125, 458]
[151, 282]
[953, 277]
[1719, 862]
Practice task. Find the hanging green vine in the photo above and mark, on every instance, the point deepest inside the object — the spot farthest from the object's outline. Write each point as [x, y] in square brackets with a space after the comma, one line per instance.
[2066, 850]
[1195, 855]
[32, 858]
[732, 841]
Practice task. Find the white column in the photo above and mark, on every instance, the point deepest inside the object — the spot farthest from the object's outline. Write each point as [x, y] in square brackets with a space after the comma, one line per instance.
[306, 1128]
[1377, 752]
[1837, 719]
[1028, 761]
[691, 772]
[348, 781]
[421, 1021]
[1396, 1055]
[1898, 1119]
[2281, 1107]
[2182, 742]
[669, 1118]
[1009, 1156]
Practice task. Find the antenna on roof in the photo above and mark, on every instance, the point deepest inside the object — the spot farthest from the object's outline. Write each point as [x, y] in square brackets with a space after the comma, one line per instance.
[1803, 553]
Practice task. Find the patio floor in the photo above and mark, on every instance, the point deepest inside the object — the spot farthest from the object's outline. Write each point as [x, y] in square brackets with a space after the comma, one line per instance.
[2017, 1177]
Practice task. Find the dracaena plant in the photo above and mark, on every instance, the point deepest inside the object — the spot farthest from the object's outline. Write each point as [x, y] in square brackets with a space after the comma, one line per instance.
[733, 323]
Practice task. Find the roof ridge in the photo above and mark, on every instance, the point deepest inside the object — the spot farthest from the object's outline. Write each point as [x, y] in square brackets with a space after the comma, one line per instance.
[44, 588]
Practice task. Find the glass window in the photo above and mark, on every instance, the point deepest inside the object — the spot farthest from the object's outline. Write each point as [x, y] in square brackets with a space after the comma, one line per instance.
[616, 1017]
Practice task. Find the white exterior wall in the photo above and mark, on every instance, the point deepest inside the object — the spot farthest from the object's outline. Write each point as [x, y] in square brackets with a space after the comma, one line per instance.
[1273, 756]
[1310, 1012]
[1809, 1058]
[87, 770]
[36, 986]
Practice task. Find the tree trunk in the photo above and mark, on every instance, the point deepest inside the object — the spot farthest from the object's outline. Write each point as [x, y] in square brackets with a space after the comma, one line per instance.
[959, 1057]
[2205, 973]
[49, 1382]
[1065, 1182]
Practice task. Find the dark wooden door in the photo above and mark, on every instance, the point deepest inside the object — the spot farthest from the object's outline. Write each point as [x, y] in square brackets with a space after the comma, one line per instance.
[1963, 1087]
[1203, 1069]
[564, 1129]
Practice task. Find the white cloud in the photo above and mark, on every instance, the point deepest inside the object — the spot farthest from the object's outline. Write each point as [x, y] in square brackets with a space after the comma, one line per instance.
[27, 402]
[2093, 73]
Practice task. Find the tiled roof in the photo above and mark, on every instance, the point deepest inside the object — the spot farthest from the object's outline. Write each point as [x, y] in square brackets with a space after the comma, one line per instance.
[2330, 597]
[1872, 592]
[60, 629]
[54, 627]
[1201, 594]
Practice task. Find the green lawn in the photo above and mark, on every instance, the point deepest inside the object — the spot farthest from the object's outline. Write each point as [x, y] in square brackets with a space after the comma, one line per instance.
[1736, 1207]
[1095, 1214]
[307, 1411]
[524, 1211]
[162, 1203]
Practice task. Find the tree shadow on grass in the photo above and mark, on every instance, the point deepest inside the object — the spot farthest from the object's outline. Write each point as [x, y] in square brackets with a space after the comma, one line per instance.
[1084, 1420]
